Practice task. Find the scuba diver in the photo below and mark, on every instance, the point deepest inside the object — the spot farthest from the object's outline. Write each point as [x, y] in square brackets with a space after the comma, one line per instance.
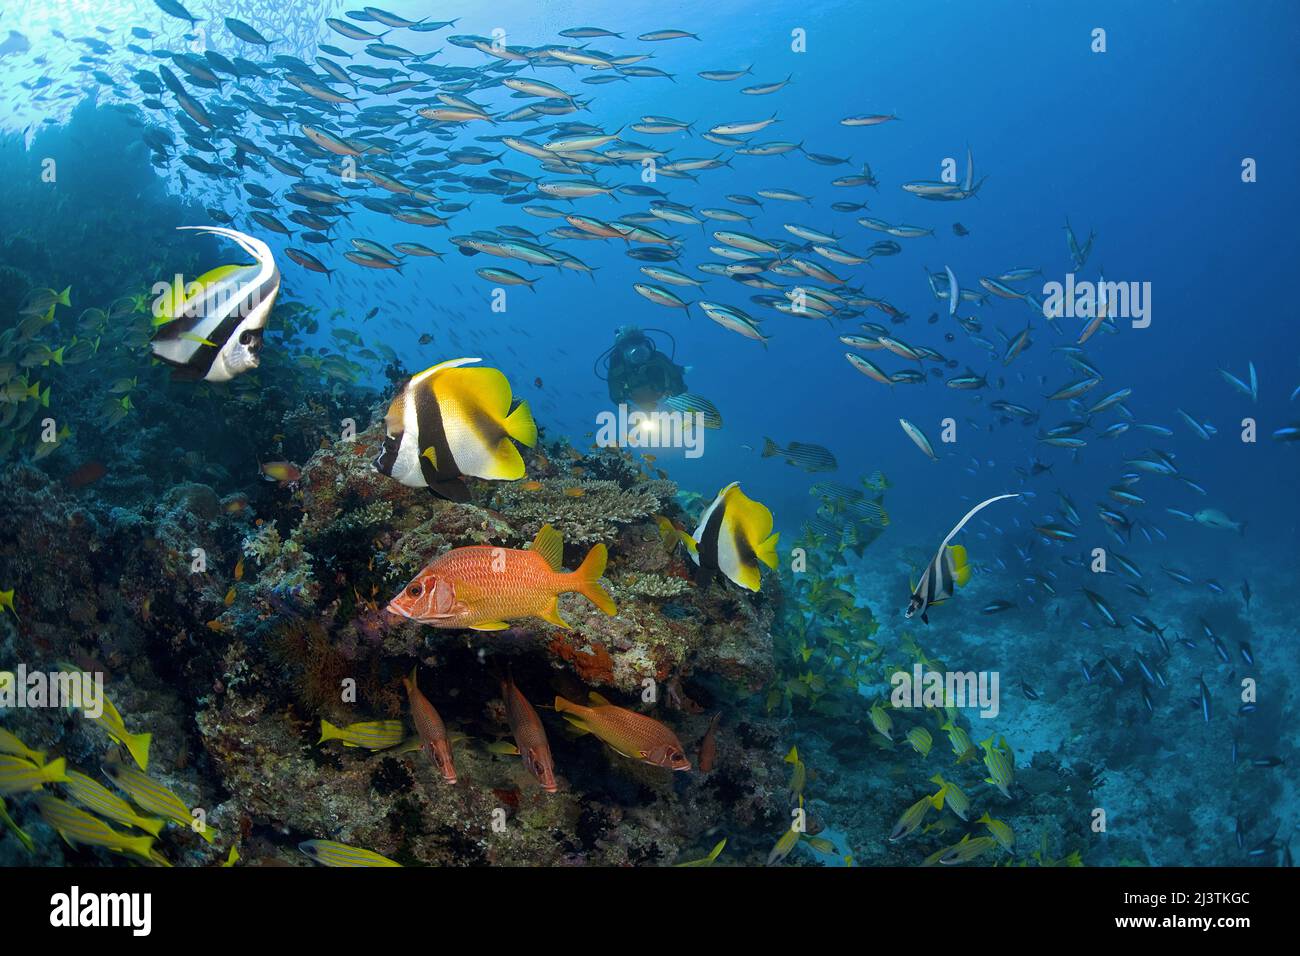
[637, 370]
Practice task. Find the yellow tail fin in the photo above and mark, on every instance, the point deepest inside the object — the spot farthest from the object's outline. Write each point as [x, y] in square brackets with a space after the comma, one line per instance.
[586, 580]
[138, 745]
[520, 425]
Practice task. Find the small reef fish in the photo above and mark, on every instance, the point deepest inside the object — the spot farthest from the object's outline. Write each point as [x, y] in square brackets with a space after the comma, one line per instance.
[153, 798]
[93, 795]
[707, 860]
[734, 536]
[370, 734]
[530, 736]
[216, 333]
[809, 457]
[22, 776]
[451, 421]
[483, 587]
[947, 570]
[709, 745]
[10, 744]
[429, 726]
[110, 721]
[629, 733]
[80, 828]
[1001, 764]
[329, 853]
[1213, 518]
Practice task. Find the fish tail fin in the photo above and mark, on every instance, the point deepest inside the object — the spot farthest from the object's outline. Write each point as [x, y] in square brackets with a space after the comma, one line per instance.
[327, 731]
[766, 551]
[55, 771]
[586, 579]
[140, 846]
[151, 825]
[138, 746]
[520, 425]
[64, 297]
[769, 448]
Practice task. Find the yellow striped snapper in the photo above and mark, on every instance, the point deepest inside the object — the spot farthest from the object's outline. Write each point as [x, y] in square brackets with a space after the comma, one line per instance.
[79, 828]
[93, 795]
[22, 776]
[10, 744]
[154, 798]
[957, 800]
[372, 734]
[1001, 763]
[329, 853]
[1000, 832]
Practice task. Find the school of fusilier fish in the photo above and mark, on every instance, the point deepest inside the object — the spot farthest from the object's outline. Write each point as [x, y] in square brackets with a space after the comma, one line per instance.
[375, 123]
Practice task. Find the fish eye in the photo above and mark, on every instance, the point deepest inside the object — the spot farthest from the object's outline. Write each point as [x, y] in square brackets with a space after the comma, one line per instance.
[414, 590]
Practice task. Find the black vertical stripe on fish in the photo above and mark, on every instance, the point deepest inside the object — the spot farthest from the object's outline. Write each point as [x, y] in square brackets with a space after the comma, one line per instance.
[707, 549]
[431, 434]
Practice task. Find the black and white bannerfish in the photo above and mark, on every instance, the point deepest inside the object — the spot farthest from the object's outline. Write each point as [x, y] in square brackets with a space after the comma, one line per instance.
[450, 421]
[734, 535]
[212, 329]
[947, 570]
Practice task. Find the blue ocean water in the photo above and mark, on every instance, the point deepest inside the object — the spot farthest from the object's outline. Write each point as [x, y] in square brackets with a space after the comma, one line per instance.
[1141, 144]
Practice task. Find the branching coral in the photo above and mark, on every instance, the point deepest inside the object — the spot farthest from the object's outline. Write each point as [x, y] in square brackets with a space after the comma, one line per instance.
[583, 511]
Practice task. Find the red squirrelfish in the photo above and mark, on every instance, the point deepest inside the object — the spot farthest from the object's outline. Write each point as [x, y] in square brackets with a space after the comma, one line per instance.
[482, 587]
[530, 737]
[631, 734]
[433, 735]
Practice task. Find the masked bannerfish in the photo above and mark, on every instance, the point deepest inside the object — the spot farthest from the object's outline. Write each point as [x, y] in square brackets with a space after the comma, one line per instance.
[734, 535]
[215, 332]
[450, 421]
[946, 571]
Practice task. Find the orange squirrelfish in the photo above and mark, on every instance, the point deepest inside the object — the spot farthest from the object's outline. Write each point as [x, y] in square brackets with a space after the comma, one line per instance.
[530, 737]
[709, 745]
[482, 587]
[631, 734]
[433, 735]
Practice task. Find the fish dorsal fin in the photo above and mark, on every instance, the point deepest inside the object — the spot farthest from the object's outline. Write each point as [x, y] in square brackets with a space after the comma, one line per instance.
[597, 700]
[441, 366]
[549, 543]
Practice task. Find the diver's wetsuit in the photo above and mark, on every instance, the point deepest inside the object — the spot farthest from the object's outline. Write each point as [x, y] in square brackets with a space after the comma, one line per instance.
[639, 373]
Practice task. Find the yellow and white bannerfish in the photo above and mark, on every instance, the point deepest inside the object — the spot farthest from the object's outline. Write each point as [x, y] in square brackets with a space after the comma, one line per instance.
[212, 328]
[450, 421]
[734, 535]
